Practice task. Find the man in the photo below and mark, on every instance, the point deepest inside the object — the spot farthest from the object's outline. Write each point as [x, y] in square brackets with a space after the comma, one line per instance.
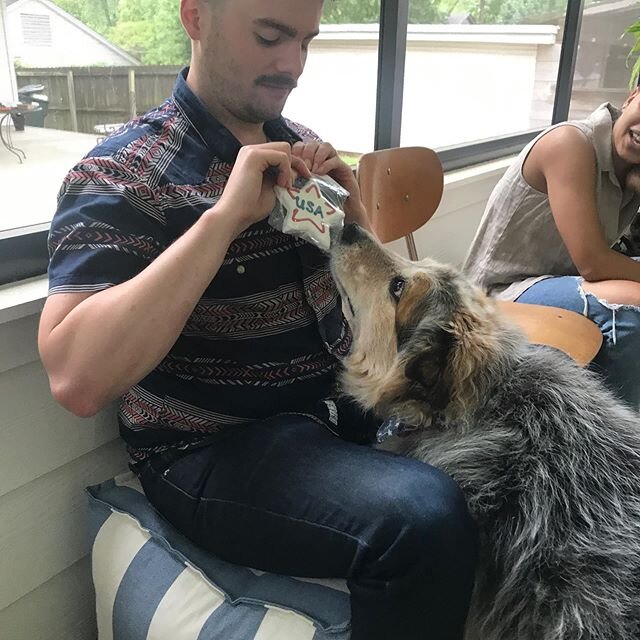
[221, 336]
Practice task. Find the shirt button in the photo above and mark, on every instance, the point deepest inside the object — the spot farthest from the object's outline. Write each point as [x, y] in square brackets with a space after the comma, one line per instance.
[240, 269]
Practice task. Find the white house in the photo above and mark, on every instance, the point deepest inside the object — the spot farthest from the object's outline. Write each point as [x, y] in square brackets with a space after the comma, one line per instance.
[8, 89]
[41, 34]
[463, 83]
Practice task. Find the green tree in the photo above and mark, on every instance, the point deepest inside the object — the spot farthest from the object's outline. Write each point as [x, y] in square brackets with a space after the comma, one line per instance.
[437, 11]
[634, 54]
[152, 31]
[100, 15]
[148, 29]
[368, 11]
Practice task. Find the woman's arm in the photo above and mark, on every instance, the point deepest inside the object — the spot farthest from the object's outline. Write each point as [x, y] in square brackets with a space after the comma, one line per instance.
[563, 165]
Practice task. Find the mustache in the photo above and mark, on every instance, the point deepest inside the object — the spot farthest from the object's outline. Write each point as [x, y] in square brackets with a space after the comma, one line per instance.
[283, 81]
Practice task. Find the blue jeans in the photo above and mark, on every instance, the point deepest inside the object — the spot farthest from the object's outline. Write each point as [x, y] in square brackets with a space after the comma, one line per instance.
[619, 357]
[285, 495]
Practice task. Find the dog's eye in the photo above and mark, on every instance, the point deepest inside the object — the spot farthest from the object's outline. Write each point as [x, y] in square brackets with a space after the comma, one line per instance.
[396, 287]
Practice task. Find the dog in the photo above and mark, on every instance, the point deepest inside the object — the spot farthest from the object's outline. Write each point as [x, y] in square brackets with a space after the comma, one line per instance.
[547, 457]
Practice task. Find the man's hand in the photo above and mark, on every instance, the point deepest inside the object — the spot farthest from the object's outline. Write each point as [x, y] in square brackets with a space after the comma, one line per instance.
[249, 193]
[322, 159]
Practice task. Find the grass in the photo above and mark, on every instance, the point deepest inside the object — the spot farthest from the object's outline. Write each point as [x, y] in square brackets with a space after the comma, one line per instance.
[349, 157]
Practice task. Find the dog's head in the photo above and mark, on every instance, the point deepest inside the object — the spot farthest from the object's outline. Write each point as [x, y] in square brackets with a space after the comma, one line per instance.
[423, 334]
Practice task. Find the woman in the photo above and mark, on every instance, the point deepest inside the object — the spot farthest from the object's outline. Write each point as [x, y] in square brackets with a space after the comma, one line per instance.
[557, 225]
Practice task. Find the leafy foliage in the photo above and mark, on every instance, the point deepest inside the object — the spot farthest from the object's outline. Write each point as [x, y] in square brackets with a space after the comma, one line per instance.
[437, 11]
[148, 29]
[151, 29]
[100, 15]
[634, 29]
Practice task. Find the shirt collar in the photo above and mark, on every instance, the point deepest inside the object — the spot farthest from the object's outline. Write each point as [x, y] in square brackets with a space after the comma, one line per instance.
[213, 133]
[602, 120]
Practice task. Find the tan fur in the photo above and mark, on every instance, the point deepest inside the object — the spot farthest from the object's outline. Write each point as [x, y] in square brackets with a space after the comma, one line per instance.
[547, 457]
[375, 372]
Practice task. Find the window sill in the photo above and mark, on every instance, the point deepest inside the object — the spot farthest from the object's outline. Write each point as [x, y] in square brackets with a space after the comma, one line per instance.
[27, 297]
[22, 299]
[469, 175]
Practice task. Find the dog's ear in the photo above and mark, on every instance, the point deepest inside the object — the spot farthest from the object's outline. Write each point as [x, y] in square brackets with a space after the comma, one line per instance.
[429, 369]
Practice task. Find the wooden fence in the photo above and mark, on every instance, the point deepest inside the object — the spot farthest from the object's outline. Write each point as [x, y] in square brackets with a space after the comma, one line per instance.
[82, 97]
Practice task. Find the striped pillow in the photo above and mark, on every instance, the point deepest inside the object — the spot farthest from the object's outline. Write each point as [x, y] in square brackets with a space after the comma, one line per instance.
[153, 584]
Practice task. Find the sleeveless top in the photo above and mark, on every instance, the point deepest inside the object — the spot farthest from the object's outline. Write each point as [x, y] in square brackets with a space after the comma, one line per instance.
[518, 244]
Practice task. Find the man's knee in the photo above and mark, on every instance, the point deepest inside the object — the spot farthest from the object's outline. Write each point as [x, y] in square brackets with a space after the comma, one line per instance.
[439, 509]
[429, 519]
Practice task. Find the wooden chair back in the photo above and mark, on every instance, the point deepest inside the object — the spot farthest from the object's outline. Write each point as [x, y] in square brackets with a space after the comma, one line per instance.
[401, 189]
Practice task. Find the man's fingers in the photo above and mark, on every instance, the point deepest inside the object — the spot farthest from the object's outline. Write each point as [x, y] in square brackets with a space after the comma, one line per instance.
[285, 147]
[323, 153]
[309, 153]
[331, 165]
[300, 166]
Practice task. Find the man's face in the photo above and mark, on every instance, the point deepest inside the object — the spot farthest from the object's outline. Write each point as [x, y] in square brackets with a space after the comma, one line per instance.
[252, 52]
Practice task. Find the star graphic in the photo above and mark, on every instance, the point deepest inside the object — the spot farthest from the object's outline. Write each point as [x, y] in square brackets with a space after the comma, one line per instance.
[311, 193]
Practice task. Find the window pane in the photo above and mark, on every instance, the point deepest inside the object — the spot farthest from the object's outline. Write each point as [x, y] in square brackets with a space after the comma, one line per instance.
[602, 73]
[336, 95]
[89, 67]
[82, 53]
[486, 70]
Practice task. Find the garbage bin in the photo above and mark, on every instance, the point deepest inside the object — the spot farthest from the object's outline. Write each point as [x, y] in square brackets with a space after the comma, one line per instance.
[33, 94]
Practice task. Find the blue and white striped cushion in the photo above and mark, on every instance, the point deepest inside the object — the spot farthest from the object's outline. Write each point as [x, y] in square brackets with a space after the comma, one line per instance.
[153, 584]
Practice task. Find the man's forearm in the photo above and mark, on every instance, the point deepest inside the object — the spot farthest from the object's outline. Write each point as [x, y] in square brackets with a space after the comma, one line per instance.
[111, 340]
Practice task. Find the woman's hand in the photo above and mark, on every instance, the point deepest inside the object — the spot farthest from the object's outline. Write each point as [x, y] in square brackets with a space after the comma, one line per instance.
[322, 159]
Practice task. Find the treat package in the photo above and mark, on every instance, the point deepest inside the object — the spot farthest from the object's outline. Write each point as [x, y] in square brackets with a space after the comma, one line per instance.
[312, 209]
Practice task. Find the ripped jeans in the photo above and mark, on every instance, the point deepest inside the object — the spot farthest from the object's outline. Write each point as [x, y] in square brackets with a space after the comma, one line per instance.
[619, 357]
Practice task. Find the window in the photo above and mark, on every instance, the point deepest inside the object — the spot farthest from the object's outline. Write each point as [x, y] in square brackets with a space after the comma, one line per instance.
[336, 96]
[485, 71]
[36, 29]
[472, 79]
[601, 72]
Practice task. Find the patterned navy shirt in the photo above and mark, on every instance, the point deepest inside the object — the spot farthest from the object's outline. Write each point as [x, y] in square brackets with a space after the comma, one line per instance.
[268, 332]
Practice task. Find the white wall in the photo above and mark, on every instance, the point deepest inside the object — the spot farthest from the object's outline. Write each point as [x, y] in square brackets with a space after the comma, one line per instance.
[8, 89]
[448, 235]
[458, 93]
[336, 95]
[47, 457]
[463, 83]
[70, 45]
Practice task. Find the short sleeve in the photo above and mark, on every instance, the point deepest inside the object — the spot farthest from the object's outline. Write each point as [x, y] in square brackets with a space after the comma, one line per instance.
[107, 228]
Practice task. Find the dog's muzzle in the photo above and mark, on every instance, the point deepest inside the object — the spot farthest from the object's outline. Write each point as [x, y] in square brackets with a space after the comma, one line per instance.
[352, 234]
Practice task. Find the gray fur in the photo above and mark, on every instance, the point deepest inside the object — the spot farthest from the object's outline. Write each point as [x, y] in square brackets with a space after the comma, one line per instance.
[550, 466]
[548, 458]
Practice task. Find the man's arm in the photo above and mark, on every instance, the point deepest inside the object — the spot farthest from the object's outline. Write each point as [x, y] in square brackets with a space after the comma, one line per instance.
[97, 346]
[562, 163]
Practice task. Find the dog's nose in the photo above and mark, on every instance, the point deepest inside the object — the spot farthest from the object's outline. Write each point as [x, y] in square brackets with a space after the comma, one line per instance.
[351, 234]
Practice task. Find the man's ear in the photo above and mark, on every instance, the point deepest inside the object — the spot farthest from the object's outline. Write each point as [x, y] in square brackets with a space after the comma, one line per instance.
[191, 15]
[429, 368]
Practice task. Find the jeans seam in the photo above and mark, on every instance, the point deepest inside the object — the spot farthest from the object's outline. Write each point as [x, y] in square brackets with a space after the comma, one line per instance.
[266, 511]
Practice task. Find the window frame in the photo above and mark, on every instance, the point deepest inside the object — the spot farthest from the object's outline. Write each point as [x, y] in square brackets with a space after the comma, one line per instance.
[24, 254]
